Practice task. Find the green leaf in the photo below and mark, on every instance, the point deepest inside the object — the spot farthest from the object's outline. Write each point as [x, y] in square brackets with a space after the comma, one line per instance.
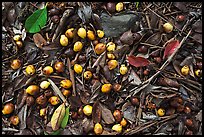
[66, 118]
[57, 117]
[137, 4]
[36, 21]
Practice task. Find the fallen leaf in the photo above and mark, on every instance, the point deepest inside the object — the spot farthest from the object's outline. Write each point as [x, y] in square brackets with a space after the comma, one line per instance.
[138, 61]
[107, 115]
[39, 40]
[57, 117]
[170, 48]
[66, 118]
[96, 115]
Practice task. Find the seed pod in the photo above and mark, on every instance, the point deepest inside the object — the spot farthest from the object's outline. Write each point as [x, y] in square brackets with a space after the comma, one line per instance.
[189, 122]
[64, 40]
[78, 46]
[123, 69]
[66, 83]
[87, 110]
[44, 84]
[30, 70]
[53, 12]
[110, 6]
[117, 87]
[41, 100]
[168, 27]
[118, 128]
[91, 35]
[69, 33]
[119, 6]
[117, 115]
[100, 48]
[16, 64]
[48, 70]
[134, 101]
[78, 68]
[55, 19]
[8, 108]
[14, 120]
[123, 122]
[112, 64]
[161, 112]
[59, 66]
[33, 89]
[110, 46]
[98, 129]
[30, 101]
[54, 100]
[81, 33]
[87, 75]
[106, 88]
[100, 33]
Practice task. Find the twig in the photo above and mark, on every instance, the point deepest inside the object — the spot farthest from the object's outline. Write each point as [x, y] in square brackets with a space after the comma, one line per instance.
[71, 72]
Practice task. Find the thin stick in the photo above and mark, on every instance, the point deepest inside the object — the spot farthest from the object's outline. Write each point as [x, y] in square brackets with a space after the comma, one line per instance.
[71, 72]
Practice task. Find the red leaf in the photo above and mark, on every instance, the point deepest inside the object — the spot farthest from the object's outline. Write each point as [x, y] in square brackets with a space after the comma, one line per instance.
[169, 49]
[138, 61]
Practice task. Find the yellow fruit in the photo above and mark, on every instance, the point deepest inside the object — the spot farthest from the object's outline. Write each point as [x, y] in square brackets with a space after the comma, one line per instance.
[98, 129]
[100, 48]
[48, 70]
[168, 27]
[16, 64]
[123, 122]
[117, 127]
[69, 33]
[44, 84]
[66, 83]
[17, 37]
[78, 46]
[123, 69]
[63, 40]
[66, 92]
[198, 73]
[100, 33]
[91, 35]
[87, 75]
[119, 6]
[14, 120]
[81, 33]
[110, 56]
[87, 110]
[78, 68]
[106, 88]
[54, 100]
[112, 64]
[32, 89]
[8, 108]
[185, 70]
[161, 112]
[43, 112]
[111, 46]
[30, 70]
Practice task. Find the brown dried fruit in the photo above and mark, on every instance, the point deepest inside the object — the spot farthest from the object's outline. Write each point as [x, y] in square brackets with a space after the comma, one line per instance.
[30, 101]
[59, 66]
[117, 115]
[8, 108]
[110, 6]
[116, 87]
[41, 100]
[14, 120]
[16, 64]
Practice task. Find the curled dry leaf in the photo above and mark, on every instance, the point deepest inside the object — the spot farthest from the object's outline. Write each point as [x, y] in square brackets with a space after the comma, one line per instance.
[57, 117]
[39, 40]
[96, 114]
[170, 48]
[138, 61]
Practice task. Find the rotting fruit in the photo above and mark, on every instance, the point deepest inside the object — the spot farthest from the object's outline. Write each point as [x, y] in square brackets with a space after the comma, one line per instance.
[66, 83]
[16, 64]
[123, 69]
[69, 33]
[106, 88]
[63, 40]
[110, 46]
[78, 46]
[112, 64]
[48, 70]
[185, 70]
[30, 70]
[100, 48]
[100, 33]
[117, 115]
[117, 127]
[78, 68]
[87, 110]
[8, 108]
[14, 120]
[91, 35]
[161, 112]
[32, 89]
[44, 84]
[119, 6]
[81, 33]
[41, 100]
[168, 27]
[59, 66]
[54, 100]
[98, 129]
[87, 75]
